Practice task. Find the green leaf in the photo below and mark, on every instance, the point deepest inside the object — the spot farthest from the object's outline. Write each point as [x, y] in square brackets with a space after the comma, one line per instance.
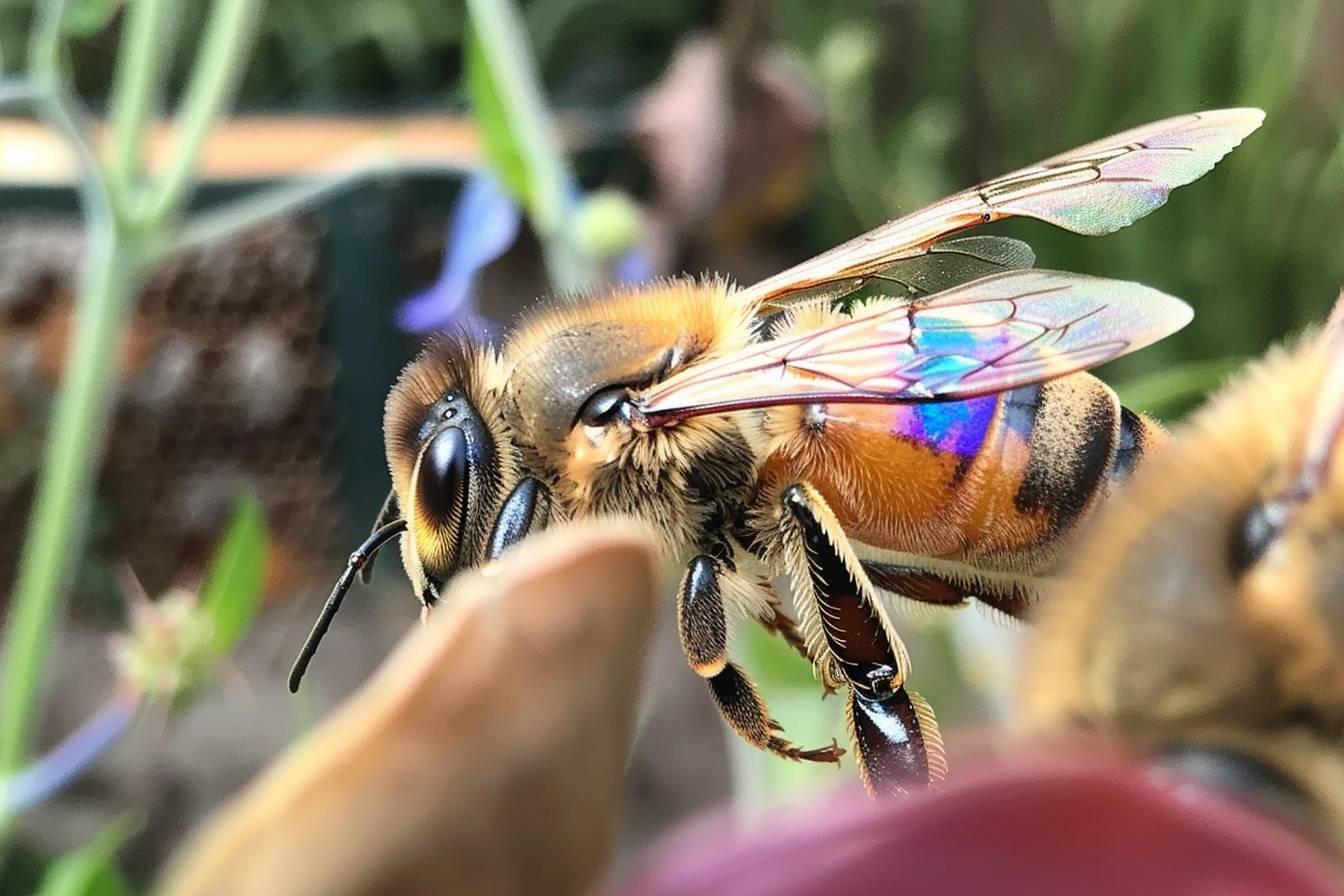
[501, 149]
[232, 589]
[86, 18]
[519, 136]
[91, 870]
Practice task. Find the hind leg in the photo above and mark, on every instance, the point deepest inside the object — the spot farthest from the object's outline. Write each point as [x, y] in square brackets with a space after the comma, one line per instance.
[892, 729]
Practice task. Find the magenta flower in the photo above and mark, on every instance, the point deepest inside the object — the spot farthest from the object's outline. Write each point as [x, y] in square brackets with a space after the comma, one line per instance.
[1037, 824]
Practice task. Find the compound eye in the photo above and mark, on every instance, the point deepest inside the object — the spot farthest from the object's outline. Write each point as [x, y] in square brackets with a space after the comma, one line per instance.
[1254, 533]
[441, 487]
[603, 406]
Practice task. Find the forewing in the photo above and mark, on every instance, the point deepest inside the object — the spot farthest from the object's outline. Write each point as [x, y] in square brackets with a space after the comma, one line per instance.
[1093, 190]
[1325, 427]
[997, 333]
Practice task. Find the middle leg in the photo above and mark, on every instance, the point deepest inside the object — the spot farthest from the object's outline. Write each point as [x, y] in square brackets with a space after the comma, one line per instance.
[711, 594]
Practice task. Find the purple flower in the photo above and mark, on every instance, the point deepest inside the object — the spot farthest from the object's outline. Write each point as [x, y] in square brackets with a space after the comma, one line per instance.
[634, 266]
[68, 759]
[483, 226]
[485, 222]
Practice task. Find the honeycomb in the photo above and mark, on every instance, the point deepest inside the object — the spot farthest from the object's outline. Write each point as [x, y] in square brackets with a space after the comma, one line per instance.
[225, 382]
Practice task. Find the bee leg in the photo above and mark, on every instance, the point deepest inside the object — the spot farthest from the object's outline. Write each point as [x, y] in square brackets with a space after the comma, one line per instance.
[429, 596]
[896, 739]
[777, 622]
[526, 510]
[892, 729]
[702, 622]
[390, 511]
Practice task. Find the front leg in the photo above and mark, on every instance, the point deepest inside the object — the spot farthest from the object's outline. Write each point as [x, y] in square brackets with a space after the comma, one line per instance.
[708, 591]
[891, 727]
[390, 511]
[527, 509]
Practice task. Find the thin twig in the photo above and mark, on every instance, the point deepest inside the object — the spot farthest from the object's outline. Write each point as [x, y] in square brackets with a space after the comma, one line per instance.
[229, 219]
[56, 104]
[213, 80]
[137, 89]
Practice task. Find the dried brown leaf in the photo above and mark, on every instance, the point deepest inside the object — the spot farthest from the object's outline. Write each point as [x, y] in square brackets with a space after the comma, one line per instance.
[732, 144]
[487, 756]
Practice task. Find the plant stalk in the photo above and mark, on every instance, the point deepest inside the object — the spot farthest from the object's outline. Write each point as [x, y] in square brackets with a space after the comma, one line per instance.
[121, 234]
[224, 50]
[503, 41]
[80, 415]
[136, 91]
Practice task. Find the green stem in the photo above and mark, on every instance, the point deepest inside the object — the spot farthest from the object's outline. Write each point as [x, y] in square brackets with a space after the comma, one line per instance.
[80, 411]
[223, 59]
[503, 41]
[56, 105]
[1176, 384]
[136, 89]
[61, 506]
[215, 224]
[118, 244]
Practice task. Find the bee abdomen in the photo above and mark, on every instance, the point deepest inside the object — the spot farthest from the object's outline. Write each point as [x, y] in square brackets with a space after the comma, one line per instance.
[1073, 449]
[1137, 435]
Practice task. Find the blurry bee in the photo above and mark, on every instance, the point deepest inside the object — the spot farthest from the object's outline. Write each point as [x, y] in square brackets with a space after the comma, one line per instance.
[929, 448]
[1203, 617]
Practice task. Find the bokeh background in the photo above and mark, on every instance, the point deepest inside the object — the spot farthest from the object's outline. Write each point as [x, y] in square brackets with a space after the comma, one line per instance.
[734, 137]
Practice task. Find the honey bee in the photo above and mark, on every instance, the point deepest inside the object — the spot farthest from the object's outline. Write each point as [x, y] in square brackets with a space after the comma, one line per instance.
[1202, 619]
[934, 447]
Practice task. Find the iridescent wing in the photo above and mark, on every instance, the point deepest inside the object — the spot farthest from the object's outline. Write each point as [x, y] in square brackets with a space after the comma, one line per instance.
[996, 333]
[942, 266]
[1325, 427]
[1093, 190]
[954, 262]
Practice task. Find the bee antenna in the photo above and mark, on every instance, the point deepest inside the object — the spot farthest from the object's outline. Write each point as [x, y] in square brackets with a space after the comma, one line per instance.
[361, 556]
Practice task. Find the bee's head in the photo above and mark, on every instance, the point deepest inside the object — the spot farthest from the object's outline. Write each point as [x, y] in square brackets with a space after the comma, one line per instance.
[575, 368]
[450, 454]
[1203, 612]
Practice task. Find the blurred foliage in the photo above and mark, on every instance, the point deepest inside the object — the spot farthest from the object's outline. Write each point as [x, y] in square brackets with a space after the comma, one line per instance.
[369, 52]
[233, 584]
[1171, 388]
[923, 97]
[129, 218]
[91, 870]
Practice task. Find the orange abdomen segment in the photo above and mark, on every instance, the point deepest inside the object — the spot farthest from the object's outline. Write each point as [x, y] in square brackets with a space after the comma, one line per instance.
[993, 480]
